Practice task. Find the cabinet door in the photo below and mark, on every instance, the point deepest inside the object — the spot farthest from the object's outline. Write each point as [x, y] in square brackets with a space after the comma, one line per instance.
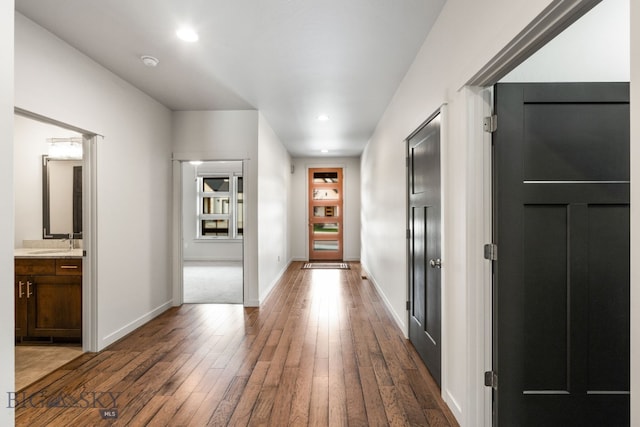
[22, 287]
[55, 308]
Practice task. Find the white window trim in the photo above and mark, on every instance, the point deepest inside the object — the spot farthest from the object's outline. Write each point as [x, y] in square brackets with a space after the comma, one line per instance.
[231, 216]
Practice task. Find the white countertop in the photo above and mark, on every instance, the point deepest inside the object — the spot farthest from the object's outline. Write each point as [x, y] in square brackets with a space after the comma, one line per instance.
[47, 253]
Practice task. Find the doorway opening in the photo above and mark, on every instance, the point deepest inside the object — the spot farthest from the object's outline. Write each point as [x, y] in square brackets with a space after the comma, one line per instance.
[212, 232]
[326, 227]
[53, 230]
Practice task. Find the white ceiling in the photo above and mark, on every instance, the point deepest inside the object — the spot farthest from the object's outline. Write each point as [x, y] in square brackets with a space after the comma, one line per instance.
[291, 59]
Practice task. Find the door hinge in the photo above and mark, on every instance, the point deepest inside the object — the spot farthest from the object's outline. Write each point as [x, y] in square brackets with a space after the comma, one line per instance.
[491, 379]
[408, 305]
[491, 123]
[491, 251]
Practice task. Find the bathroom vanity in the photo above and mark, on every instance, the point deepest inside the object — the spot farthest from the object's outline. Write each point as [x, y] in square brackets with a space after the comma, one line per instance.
[48, 294]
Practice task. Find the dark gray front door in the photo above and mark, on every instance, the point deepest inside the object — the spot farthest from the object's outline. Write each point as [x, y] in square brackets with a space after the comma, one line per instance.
[561, 223]
[424, 243]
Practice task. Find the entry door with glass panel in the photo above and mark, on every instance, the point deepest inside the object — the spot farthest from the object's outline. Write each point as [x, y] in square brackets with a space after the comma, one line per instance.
[325, 214]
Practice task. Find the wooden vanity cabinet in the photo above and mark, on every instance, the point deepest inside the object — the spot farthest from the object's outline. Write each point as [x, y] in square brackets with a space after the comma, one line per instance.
[48, 297]
[21, 305]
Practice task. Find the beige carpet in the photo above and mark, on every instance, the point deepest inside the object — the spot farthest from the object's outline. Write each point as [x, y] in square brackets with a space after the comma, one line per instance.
[213, 282]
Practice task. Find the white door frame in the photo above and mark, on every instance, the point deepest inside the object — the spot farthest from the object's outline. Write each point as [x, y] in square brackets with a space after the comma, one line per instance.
[552, 21]
[178, 233]
[89, 232]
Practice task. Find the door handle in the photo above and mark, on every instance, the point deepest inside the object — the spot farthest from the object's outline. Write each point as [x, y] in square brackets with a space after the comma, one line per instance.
[435, 263]
[29, 293]
[20, 292]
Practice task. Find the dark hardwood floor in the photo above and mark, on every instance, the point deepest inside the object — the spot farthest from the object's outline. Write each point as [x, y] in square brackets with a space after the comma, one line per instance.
[321, 351]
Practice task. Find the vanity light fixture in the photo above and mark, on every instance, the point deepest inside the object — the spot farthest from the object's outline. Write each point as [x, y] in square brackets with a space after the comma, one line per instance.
[187, 35]
[149, 61]
[65, 148]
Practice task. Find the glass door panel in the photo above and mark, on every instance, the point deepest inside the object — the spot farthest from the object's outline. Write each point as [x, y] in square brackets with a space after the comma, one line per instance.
[326, 194]
[325, 211]
[326, 245]
[326, 228]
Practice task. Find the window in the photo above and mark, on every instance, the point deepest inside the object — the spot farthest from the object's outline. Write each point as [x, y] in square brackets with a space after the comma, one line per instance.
[220, 206]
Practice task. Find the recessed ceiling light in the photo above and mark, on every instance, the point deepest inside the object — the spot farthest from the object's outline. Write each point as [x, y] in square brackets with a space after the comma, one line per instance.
[149, 61]
[187, 34]
[323, 117]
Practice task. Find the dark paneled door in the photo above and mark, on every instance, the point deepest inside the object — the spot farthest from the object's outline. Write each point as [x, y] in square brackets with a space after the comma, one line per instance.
[424, 243]
[561, 289]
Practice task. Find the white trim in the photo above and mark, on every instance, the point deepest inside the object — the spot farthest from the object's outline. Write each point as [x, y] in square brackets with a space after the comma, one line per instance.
[178, 234]
[559, 15]
[272, 285]
[478, 280]
[90, 227]
[132, 326]
[444, 295]
[177, 246]
[90, 244]
[396, 317]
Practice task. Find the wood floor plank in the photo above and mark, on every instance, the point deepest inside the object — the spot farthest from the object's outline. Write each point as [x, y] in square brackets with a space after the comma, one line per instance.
[281, 410]
[372, 399]
[319, 402]
[356, 412]
[321, 350]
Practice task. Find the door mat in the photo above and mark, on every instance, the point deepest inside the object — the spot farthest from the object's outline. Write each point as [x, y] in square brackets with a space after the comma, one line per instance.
[326, 265]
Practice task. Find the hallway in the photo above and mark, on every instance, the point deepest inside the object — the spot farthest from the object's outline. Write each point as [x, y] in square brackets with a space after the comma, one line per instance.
[322, 350]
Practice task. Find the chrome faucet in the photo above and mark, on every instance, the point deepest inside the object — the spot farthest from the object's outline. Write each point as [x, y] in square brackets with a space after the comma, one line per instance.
[71, 241]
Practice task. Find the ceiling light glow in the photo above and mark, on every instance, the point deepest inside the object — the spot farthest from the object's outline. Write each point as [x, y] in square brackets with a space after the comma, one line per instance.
[324, 151]
[187, 35]
[323, 117]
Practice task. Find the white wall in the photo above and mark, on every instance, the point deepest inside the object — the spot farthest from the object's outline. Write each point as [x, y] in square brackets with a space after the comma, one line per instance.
[274, 187]
[133, 171]
[300, 205]
[200, 249]
[7, 377]
[226, 135]
[593, 49]
[30, 143]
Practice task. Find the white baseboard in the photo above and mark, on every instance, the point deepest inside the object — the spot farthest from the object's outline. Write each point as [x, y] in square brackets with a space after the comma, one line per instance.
[251, 303]
[453, 404]
[398, 319]
[273, 283]
[130, 327]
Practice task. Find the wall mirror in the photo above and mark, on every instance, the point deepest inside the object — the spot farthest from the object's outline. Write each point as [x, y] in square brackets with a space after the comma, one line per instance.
[61, 198]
